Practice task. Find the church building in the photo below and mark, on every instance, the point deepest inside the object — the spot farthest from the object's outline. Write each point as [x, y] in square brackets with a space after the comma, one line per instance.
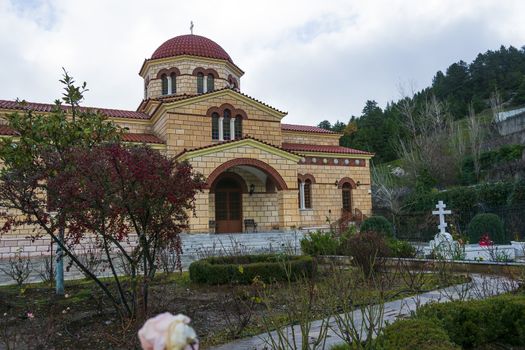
[259, 171]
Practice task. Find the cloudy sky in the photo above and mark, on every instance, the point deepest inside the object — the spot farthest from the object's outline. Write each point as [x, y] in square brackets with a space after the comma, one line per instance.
[315, 59]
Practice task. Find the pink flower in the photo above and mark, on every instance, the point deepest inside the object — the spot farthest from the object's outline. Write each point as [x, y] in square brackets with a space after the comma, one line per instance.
[30, 315]
[167, 331]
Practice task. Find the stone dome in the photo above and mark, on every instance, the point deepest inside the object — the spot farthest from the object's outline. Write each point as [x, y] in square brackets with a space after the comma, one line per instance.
[191, 44]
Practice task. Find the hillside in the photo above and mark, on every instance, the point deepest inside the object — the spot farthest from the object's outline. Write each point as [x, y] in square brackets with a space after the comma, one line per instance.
[460, 86]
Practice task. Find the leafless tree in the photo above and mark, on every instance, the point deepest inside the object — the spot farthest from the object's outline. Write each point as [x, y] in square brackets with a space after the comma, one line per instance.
[475, 135]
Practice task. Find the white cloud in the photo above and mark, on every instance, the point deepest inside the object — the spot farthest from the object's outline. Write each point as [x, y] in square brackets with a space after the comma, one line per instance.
[315, 59]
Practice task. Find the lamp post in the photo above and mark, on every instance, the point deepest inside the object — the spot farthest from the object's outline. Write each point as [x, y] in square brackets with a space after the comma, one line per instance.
[59, 270]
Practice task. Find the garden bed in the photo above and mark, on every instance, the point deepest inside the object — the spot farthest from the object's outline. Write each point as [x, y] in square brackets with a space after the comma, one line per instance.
[86, 320]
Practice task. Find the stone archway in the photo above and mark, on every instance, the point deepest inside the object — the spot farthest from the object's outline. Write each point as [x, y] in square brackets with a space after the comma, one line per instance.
[277, 178]
[244, 192]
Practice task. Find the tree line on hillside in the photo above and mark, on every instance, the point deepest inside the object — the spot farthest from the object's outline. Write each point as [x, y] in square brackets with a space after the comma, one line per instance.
[463, 89]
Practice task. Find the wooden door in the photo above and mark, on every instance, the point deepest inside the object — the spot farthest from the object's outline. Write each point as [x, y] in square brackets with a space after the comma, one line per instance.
[228, 206]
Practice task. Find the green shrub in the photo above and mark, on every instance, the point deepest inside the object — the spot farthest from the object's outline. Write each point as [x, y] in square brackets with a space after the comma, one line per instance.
[319, 243]
[368, 250]
[401, 249]
[244, 269]
[478, 322]
[378, 224]
[414, 334]
[486, 223]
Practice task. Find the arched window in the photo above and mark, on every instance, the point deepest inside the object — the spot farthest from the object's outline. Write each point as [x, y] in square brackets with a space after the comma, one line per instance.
[238, 126]
[200, 83]
[347, 196]
[215, 126]
[210, 83]
[226, 124]
[173, 77]
[307, 194]
[164, 79]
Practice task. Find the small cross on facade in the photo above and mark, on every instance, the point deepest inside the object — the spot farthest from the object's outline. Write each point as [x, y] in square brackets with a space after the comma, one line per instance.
[441, 212]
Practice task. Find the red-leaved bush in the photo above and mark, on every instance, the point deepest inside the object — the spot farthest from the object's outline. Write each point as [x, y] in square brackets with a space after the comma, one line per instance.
[118, 193]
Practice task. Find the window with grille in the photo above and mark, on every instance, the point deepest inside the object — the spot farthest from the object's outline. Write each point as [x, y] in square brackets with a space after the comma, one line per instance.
[238, 127]
[215, 126]
[164, 79]
[308, 194]
[173, 83]
[200, 83]
[347, 197]
[226, 124]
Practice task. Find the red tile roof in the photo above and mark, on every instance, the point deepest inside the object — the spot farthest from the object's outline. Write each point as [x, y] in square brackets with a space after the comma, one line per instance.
[231, 141]
[194, 45]
[297, 147]
[127, 137]
[174, 98]
[46, 108]
[306, 128]
[141, 138]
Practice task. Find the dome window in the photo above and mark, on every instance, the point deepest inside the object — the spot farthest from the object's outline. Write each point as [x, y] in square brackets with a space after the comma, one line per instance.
[164, 79]
[200, 83]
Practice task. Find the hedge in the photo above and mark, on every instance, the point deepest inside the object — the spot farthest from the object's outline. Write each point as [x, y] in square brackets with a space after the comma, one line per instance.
[378, 224]
[244, 269]
[478, 322]
[489, 224]
[414, 334]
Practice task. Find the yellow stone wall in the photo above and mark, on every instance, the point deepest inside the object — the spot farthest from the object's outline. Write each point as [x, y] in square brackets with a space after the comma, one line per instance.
[186, 82]
[327, 198]
[311, 138]
[188, 126]
[282, 202]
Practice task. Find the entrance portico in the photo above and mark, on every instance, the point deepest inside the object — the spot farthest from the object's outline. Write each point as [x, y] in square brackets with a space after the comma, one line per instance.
[246, 180]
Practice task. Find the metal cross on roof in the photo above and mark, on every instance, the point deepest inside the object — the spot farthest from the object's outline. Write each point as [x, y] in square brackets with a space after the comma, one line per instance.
[191, 27]
[441, 212]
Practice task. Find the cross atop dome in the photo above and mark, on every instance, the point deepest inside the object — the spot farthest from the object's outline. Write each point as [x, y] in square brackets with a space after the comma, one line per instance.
[191, 27]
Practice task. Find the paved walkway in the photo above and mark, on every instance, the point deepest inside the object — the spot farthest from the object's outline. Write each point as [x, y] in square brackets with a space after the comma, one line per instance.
[479, 287]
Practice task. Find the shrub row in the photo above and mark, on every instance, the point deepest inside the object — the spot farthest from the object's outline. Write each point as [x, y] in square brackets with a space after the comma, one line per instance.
[413, 334]
[479, 322]
[244, 269]
[459, 324]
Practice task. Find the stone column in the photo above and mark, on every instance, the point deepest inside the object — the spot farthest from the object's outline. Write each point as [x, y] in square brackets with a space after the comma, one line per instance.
[301, 195]
[232, 128]
[169, 85]
[221, 129]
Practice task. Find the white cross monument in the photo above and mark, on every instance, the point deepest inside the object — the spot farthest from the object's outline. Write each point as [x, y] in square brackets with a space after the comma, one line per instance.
[442, 212]
[443, 243]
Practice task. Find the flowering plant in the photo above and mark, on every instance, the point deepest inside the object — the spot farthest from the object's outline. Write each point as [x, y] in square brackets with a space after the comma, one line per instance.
[168, 332]
[485, 241]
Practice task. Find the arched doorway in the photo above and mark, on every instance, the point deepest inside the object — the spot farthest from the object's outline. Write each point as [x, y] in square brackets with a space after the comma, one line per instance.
[228, 205]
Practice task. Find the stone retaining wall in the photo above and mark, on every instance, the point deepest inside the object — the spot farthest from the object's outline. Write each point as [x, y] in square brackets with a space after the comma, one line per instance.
[194, 245]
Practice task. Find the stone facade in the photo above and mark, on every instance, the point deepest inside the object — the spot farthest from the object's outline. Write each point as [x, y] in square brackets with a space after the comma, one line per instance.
[265, 164]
